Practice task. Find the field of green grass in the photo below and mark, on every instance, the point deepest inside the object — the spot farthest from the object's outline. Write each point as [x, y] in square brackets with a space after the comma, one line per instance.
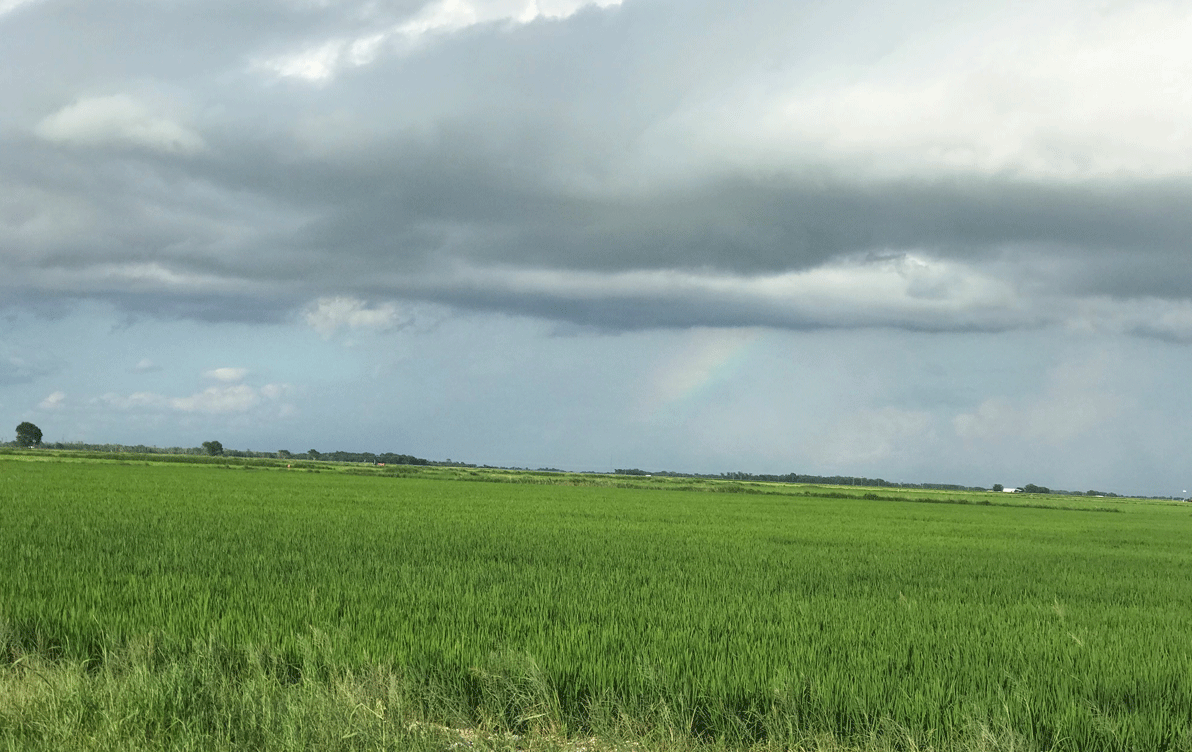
[735, 614]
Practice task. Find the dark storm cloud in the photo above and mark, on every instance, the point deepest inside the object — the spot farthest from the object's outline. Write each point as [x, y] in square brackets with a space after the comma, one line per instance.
[237, 160]
[763, 225]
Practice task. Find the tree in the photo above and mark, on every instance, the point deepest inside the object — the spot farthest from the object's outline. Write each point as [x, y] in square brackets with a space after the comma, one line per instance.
[284, 454]
[214, 448]
[313, 454]
[998, 487]
[28, 435]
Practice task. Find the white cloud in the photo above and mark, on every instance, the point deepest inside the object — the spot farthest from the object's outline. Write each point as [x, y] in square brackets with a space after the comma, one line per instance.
[53, 401]
[145, 365]
[135, 401]
[1047, 91]
[273, 391]
[1076, 401]
[321, 62]
[327, 315]
[7, 6]
[231, 399]
[228, 399]
[118, 120]
[314, 64]
[226, 374]
[453, 15]
[869, 436]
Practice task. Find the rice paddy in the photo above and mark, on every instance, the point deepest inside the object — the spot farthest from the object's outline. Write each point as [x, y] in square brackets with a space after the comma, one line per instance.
[761, 615]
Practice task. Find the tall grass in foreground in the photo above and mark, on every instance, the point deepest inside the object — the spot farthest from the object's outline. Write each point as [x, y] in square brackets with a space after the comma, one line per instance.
[134, 701]
[739, 619]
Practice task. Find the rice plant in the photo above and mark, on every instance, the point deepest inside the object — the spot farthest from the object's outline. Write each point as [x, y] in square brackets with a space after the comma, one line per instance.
[738, 618]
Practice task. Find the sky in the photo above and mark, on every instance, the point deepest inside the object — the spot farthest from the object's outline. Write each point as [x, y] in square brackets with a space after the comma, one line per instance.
[919, 240]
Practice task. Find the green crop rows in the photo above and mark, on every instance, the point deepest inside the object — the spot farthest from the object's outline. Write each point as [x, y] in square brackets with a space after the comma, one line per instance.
[747, 616]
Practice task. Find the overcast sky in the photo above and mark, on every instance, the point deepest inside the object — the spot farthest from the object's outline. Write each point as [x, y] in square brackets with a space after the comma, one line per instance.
[920, 240]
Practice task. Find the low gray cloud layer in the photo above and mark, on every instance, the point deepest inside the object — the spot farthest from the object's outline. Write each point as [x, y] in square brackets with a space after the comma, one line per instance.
[625, 165]
[910, 239]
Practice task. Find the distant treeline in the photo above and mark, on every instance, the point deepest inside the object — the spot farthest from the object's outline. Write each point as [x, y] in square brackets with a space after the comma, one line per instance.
[820, 480]
[80, 446]
[388, 458]
[849, 480]
[845, 480]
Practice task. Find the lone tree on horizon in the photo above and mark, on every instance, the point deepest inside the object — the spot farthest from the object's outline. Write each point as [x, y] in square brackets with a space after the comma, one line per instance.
[28, 435]
[214, 448]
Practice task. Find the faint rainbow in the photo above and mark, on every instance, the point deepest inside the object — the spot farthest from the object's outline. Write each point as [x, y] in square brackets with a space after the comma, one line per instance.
[711, 359]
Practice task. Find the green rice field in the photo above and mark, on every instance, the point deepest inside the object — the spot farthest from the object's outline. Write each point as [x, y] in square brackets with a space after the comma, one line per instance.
[734, 614]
